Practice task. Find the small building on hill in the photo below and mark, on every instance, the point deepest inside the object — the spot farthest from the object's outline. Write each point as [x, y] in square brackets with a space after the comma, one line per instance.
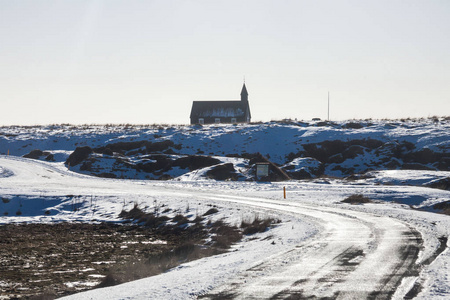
[214, 112]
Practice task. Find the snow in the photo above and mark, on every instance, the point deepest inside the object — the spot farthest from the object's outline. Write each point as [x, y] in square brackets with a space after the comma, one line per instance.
[47, 192]
[407, 177]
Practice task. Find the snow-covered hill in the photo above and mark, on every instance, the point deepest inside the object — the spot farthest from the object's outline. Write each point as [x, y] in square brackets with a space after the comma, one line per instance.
[302, 149]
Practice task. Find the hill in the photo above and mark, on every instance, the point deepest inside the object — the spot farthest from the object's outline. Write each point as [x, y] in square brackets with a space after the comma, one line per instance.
[228, 152]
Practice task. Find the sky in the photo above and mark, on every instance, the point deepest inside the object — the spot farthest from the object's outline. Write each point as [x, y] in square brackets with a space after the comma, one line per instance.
[144, 62]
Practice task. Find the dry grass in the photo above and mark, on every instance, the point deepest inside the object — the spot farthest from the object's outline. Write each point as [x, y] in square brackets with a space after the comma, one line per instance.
[357, 199]
[257, 225]
[211, 211]
[191, 237]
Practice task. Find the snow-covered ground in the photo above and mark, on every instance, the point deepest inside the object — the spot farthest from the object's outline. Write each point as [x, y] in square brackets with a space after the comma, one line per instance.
[312, 215]
[322, 247]
[303, 149]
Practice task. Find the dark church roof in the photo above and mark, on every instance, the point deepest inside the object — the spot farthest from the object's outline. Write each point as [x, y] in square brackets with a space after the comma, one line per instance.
[218, 109]
[222, 109]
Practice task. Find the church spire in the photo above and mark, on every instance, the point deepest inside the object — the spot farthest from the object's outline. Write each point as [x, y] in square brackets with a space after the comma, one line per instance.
[244, 94]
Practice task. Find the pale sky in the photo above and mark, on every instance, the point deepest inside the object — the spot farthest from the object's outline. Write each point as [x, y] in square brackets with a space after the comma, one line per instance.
[145, 62]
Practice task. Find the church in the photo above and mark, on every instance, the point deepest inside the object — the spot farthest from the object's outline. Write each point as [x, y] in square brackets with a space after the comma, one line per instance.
[214, 112]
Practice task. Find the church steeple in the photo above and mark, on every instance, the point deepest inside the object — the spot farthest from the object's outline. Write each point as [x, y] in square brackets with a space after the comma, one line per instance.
[244, 94]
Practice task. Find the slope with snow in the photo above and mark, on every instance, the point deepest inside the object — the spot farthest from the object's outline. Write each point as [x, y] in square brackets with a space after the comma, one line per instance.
[393, 246]
[304, 150]
[312, 216]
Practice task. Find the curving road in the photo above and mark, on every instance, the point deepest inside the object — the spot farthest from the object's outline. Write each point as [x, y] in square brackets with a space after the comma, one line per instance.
[355, 256]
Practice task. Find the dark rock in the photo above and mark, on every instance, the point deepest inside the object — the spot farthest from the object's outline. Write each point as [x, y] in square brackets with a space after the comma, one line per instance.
[416, 166]
[86, 166]
[169, 151]
[345, 171]
[34, 154]
[159, 162]
[353, 151]
[442, 205]
[353, 125]
[77, 156]
[108, 151]
[393, 164]
[443, 184]
[159, 146]
[107, 175]
[443, 164]
[149, 167]
[223, 172]
[336, 159]
[50, 157]
[302, 174]
[194, 162]
[137, 147]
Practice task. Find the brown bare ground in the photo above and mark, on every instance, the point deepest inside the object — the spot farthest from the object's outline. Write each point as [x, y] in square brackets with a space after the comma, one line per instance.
[43, 261]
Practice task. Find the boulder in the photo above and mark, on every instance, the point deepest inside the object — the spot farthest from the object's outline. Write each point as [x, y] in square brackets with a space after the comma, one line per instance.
[77, 156]
[223, 172]
[34, 154]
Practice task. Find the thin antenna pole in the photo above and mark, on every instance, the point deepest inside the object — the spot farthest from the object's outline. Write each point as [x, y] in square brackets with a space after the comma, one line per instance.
[328, 106]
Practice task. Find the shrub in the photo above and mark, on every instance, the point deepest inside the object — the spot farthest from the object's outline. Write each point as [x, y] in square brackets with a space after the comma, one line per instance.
[225, 235]
[133, 214]
[44, 296]
[211, 211]
[198, 219]
[180, 219]
[150, 220]
[356, 199]
[109, 280]
[184, 250]
[257, 225]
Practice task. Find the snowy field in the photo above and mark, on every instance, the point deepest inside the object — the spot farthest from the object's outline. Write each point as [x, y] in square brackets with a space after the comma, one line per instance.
[385, 249]
[311, 212]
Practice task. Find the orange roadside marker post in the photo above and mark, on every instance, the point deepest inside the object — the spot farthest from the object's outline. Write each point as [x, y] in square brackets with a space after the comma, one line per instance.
[284, 192]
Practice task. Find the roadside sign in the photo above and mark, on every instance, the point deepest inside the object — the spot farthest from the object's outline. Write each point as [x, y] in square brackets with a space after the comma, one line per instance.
[262, 170]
